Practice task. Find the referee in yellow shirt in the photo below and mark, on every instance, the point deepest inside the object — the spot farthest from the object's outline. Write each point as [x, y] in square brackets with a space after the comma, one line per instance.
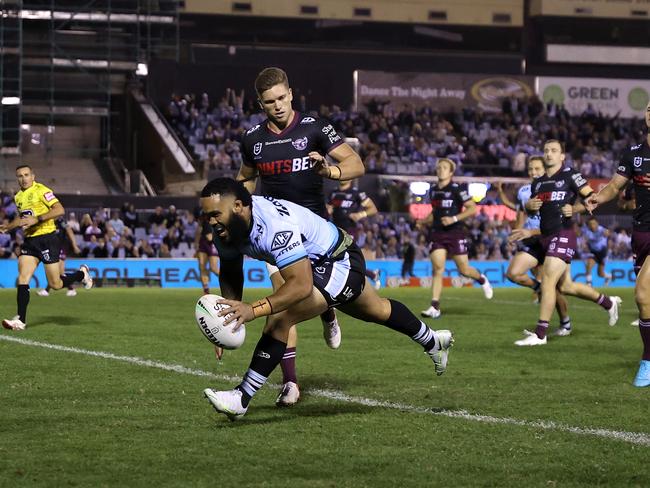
[38, 208]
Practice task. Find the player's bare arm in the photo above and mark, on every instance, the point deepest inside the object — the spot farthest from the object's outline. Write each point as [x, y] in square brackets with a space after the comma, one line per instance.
[348, 167]
[369, 209]
[613, 188]
[297, 286]
[470, 209]
[504, 198]
[534, 204]
[248, 174]
[521, 234]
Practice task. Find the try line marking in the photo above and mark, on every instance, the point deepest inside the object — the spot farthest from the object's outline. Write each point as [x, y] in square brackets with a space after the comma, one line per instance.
[638, 438]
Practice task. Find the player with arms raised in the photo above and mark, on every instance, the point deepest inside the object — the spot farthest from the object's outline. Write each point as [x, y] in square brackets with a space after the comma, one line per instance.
[38, 208]
[287, 151]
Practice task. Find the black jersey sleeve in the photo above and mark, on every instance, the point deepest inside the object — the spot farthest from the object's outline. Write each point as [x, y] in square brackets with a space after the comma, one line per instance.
[327, 137]
[625, 166]
[578, 182]
[463, 193]
[247, 144]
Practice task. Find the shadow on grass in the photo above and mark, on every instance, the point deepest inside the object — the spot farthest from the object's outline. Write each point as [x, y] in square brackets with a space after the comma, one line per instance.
[268, 414]
[58, 320]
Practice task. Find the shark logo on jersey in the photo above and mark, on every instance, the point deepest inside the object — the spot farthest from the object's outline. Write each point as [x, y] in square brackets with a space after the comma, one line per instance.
[638, 162]
[558, 184]
[257, 148]
[281, 239]
[252, 129]
[308, 120]
[300, 144]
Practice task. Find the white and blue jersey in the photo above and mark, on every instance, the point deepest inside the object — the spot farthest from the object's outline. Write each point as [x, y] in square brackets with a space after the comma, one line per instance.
[283, 232]
[596, 240]
[532, 219]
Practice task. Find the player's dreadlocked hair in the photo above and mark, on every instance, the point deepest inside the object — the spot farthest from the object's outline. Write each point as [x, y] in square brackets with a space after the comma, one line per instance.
[227, 186]
[268, 78]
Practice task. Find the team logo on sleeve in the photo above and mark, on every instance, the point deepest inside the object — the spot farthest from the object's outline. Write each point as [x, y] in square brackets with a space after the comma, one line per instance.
[300, 144]
[49, 196]
[638, 161]
[252, 129]
[281, 239]
[257, 148]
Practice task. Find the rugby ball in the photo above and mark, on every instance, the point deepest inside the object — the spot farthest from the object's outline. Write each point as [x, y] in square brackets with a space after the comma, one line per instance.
[213, 326]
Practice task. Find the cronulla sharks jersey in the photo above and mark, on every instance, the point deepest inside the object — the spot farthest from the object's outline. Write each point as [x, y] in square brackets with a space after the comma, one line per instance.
[532, 219]
[283, 233]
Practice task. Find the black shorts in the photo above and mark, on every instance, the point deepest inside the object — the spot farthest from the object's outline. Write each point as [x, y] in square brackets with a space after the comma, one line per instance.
[45, 248]
[532, 246]
[341, 280]
[599, 256]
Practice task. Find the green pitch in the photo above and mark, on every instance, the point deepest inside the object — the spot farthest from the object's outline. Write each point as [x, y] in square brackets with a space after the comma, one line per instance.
[373, 413]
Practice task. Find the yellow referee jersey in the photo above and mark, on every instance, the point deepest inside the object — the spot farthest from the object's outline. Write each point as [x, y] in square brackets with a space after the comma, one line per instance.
[36, 200]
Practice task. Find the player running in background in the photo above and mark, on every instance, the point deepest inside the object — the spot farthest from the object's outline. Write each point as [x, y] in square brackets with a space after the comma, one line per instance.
[596, 237]
[68, 246]
[321, 267]
[38, 207]
[206, 253]
[530, 254]
[347, 206]
[635, 166]
[287, 151]
[557, 189]
[451, 204]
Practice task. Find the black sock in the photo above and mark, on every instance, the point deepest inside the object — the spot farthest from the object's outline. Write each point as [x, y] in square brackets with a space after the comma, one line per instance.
[266, 357]
[48, 288]
[403, 321]
[22, 297]
[328, 316]
[536, 286]
[435, 304]
[75, 277]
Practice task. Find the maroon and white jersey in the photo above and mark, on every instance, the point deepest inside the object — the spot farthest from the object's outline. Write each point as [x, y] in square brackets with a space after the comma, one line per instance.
[634, 165]
[555, 192]
[282, 159]
[447, 202]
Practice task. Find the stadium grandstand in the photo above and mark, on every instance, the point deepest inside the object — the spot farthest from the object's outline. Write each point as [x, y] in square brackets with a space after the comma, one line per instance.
[126, 109]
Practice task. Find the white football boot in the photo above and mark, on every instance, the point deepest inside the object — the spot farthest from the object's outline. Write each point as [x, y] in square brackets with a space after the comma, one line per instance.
[487, 288]
[530, 339]
[613, 312]
[431, 312]
[635, 323]
[43, 293]
[289, 395]
[14, 324]
[226, 402]
[440, 353]
[561, 332]
[71, 293]
[332, 333]
[87, 280]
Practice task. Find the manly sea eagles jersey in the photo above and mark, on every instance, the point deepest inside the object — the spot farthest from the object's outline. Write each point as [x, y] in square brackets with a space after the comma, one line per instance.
[634, 165]
[282, 233]
[447, 202]
[555, 192]
[282, 159]
[345, 202]
[532, 219]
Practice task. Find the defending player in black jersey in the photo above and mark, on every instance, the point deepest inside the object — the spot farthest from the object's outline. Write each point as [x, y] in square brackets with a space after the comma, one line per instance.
[287, 151]
[451, 205]
[347, 206]
[68, 246]
[635, 166]
[553, 196]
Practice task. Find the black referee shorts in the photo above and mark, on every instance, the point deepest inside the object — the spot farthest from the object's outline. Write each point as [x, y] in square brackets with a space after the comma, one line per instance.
[45, 248]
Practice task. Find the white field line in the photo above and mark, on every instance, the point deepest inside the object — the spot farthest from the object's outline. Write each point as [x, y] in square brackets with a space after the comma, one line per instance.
[639, 438]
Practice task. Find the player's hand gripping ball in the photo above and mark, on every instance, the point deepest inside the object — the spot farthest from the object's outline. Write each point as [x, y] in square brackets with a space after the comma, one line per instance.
[214, 328]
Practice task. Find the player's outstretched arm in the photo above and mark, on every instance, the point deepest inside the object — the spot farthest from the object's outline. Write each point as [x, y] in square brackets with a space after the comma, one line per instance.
[349, 164]
[504, 198]
[231, 278]
[613, 188]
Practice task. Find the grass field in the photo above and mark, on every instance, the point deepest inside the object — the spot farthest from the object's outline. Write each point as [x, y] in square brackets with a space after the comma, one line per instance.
[373, 412]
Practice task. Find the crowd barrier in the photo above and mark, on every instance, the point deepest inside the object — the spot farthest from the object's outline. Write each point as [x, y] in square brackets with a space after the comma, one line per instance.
[183, 273]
